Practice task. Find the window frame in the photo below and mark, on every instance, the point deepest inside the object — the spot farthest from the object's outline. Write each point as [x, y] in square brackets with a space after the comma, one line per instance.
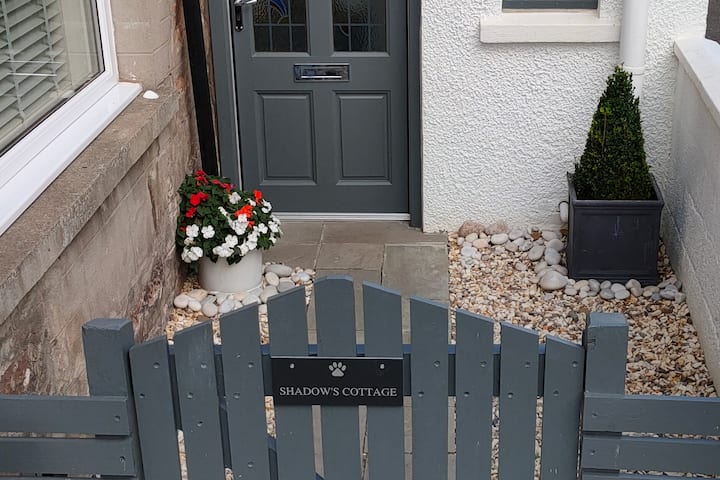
[32, 164]
[551, 4]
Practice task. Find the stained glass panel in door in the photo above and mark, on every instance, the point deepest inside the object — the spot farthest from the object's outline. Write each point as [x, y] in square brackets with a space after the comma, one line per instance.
[359, 25]
[280, 26]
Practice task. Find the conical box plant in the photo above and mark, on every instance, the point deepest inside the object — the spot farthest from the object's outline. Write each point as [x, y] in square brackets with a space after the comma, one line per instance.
[613, 165]
[615, 205]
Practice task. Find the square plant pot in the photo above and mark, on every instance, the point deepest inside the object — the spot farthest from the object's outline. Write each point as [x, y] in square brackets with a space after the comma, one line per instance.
[614, 240]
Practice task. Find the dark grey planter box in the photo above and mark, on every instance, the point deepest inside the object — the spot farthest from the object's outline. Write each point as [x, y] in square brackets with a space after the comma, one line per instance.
[614, 240]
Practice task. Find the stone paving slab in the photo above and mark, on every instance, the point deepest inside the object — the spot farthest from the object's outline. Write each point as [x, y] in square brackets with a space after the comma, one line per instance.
[417, 270]
[377, 233]
[350, 256]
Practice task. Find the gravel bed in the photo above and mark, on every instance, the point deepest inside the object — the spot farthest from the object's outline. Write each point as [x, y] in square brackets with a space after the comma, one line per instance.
[664, 354]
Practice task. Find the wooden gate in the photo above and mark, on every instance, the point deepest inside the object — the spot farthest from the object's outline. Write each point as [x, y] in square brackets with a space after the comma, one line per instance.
[473, 408]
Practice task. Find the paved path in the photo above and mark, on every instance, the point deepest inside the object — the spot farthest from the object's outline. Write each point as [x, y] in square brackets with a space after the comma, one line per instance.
[388, 253]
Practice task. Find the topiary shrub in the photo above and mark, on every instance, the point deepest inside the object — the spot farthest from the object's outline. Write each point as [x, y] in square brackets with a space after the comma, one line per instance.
[613, 165]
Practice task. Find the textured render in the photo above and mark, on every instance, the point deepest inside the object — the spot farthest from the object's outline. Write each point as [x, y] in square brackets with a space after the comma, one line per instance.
[104, 230]
[502, 123]
[692, 217]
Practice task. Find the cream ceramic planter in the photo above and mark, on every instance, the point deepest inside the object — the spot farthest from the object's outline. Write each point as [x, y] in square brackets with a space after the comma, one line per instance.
[244, 276]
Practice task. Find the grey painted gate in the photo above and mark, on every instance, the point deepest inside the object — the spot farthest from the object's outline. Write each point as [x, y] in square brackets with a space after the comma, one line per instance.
[473, 409]
[321, 92]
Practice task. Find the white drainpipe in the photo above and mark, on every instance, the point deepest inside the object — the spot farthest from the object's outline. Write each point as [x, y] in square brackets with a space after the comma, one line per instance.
[633, 40]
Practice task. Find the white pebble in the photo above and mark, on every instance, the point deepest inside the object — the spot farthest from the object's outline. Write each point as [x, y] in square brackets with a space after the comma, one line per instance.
[181, 301]
[272, 279]
[209, 309]
[194, 305]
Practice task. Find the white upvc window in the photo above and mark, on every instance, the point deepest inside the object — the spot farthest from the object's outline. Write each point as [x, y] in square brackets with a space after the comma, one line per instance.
[59, 89]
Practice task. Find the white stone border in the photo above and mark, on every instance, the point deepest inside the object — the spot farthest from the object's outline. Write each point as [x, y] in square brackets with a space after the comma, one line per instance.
[549, 27]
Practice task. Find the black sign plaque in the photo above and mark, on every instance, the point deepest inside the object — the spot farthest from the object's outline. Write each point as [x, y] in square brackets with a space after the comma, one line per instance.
[337, 381]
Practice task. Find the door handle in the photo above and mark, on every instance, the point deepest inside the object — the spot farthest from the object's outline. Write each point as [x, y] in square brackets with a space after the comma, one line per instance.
[237, 7]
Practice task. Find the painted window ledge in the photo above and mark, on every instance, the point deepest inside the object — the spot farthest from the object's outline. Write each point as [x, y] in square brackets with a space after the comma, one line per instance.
[549, 27]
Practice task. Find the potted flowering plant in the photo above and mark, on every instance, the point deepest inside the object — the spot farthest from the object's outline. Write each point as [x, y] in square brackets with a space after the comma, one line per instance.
[222, 230]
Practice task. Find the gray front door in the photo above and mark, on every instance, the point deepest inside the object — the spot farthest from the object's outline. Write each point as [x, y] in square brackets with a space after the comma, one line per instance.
[322, 102]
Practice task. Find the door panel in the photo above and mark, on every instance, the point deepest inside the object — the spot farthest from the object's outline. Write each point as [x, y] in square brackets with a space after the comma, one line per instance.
[364, 128]
[325, 142]
[286, 135]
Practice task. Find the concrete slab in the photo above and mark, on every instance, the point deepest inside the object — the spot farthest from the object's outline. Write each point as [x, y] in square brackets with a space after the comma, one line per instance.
[357, 256]
[418, 270]
[292, 254]
[377, 233]
[302, 233]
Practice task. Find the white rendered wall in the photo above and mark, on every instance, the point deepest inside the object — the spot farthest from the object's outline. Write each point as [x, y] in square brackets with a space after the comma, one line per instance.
[691, 220]
[503, 122]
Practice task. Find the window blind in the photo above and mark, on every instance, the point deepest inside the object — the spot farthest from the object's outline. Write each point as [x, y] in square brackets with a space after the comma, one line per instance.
[34, 74]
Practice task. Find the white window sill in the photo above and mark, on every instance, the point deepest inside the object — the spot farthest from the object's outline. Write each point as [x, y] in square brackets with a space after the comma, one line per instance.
[38, 161]
[539, 26]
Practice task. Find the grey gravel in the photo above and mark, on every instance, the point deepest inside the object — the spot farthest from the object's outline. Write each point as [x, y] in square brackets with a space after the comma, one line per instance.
[607, 294]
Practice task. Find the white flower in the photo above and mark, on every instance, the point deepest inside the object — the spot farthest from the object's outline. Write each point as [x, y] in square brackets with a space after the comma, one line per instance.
[192, 231]
[222, 251]
[244, 249]
[273, 240]
[239, 226]
[223, 211]
[230, 241]
[252, 202]
[189, 240]
[208, 231]
[191, 254]
[234, 198]
[266, 207]
[274, 227]
[262, 228]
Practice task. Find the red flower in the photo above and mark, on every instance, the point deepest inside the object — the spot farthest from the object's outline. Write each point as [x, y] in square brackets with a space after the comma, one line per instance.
[200, 173]
[251, 224]
[183, 228]
[191, 212]
[245, 210]
[258, 195]
[196, 198]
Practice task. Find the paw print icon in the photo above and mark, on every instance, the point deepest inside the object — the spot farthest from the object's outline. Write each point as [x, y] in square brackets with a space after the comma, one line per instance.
[337, 369]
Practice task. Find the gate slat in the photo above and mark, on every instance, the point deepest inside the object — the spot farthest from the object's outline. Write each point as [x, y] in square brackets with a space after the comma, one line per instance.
[429, 373]
[335, 317]
[199, 403]
[153, 400]
[651, 413]
[518, 402]
[564, 367]
[294, 426]
[244, 393]
[383, 338]
[654, 454]
[43, 414]
[474, 392]
[74, 456]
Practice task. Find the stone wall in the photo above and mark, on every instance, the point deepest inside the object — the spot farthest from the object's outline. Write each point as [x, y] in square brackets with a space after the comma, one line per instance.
[99, 242]
[691, 221]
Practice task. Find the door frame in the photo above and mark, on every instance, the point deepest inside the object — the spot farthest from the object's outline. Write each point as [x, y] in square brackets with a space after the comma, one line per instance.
[226, 109]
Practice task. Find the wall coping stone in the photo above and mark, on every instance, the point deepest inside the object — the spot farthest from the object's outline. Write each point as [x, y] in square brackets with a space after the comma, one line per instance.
[39, 236]
[700, 58]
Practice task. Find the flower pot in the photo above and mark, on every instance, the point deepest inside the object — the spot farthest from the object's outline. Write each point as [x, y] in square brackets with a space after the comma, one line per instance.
[614, 240]
[244, 276]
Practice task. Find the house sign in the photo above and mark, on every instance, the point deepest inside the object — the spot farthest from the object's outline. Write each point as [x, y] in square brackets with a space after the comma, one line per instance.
[337, 381]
